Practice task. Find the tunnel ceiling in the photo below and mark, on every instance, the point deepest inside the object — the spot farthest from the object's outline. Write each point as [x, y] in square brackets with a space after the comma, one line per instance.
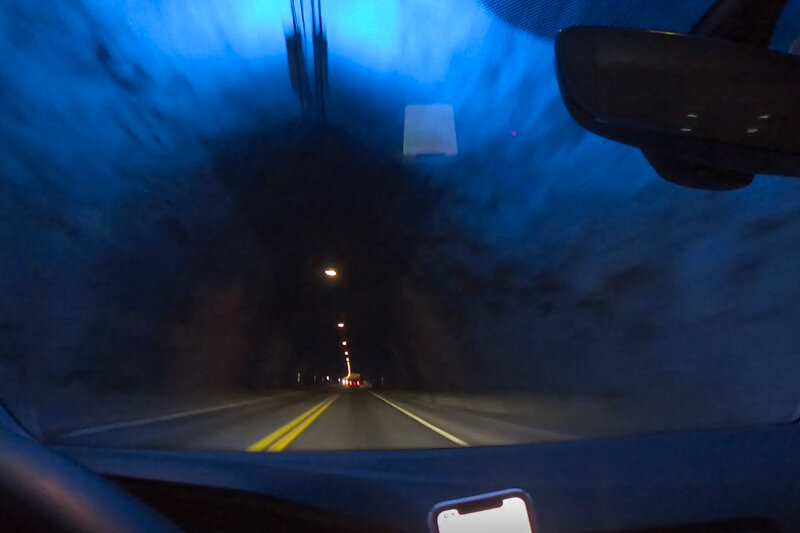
[168, 205]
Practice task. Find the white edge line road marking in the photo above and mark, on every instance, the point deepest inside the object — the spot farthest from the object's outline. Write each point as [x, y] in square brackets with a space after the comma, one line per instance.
[153, 420]
[428, 425]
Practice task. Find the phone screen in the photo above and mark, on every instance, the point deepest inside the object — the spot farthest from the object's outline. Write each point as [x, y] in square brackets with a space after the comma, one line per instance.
[510, 517]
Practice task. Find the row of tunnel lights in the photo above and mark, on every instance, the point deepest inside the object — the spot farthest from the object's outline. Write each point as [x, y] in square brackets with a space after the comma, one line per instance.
[332, 273]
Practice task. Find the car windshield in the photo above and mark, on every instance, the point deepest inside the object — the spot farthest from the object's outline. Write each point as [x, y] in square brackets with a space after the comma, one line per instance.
[279, 225]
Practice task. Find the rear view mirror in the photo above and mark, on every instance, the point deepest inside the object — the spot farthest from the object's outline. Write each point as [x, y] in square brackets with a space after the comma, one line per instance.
[706, 113]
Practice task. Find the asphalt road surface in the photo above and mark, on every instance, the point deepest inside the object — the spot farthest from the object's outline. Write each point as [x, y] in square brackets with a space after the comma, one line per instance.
[330, 419]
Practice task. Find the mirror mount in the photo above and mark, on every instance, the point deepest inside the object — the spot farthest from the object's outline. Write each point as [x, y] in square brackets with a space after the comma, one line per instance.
[708, 110]
[750, 22]
[705, 111]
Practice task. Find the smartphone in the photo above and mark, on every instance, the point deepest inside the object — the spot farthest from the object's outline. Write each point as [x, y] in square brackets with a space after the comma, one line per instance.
[506, 511]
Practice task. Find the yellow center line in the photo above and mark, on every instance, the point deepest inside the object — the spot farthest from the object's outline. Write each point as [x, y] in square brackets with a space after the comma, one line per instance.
[261, 445]
[294, 433]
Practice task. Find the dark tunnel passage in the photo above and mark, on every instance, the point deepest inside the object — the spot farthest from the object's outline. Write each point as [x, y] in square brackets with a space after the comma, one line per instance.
[317, 198]
[238, 301]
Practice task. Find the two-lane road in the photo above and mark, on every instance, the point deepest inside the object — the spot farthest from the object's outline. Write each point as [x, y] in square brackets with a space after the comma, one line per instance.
[360, 420]
[330, 419]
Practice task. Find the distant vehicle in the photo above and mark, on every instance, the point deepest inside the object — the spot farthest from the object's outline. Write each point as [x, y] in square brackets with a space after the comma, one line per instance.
[353, 381]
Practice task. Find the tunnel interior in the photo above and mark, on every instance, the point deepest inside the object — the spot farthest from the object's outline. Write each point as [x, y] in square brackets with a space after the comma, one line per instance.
[314, 198]
[168, 208]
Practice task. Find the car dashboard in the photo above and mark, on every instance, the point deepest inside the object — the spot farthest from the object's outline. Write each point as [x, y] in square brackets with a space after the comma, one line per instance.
[730, 480]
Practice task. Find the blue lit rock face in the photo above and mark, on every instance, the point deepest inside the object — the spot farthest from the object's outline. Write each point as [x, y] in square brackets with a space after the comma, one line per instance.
[122, 251]
[164, 208]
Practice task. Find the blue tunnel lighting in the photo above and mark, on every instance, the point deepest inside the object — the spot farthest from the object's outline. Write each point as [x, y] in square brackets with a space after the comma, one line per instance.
[112, 116]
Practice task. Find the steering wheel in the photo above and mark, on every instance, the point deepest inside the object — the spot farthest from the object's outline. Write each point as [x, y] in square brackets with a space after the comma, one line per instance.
[67, 496]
